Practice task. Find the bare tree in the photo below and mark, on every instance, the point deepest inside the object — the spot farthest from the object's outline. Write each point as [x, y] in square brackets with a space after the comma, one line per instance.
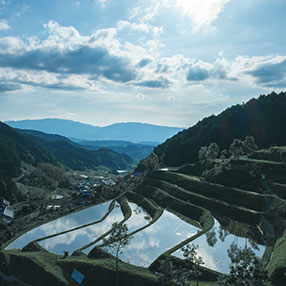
[117, 240]
[193, 262]
[245, 269]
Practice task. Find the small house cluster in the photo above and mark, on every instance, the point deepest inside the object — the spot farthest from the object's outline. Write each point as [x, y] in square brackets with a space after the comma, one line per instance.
[7, 213]
[109, 182]
[84, 187]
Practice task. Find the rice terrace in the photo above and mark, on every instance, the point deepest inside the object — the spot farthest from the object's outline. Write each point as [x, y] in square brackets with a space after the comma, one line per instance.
[142, 143]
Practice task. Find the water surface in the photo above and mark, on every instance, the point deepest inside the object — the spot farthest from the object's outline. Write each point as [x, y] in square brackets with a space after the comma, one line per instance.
[76, 239]
[216, 257]
[148, 244]
[61, 224]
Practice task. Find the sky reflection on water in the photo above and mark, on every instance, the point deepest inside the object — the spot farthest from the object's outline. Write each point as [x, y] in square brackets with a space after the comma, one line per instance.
[61, 224]
[76, 239]
[146, 245]
[216, 257]
[151, 242]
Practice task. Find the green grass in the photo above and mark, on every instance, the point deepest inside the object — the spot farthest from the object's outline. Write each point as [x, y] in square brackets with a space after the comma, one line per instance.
[277, 265]
[212, 190]
[25, 264]
[43, 268]
[101, 272]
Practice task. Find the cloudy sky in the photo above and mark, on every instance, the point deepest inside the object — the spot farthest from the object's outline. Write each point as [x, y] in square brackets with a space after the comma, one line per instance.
[166, 62]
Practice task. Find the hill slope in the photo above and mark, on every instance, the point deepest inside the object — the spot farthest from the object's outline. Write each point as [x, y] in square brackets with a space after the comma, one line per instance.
[74, 156]
[136, 151]
[132, 131]
[15, 148]
[264, 118]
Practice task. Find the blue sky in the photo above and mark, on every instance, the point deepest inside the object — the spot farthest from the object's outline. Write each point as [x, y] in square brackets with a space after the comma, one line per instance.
[165, 62]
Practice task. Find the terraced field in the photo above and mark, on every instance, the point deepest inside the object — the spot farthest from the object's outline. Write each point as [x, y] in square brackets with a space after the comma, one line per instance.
[165, 212]
[258, 214]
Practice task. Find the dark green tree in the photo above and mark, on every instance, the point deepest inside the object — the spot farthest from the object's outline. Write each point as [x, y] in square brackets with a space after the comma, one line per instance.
[236, 148]
[211, 238]
[213, 151]
[181, 274]
[203, 153]
[249, 145]
[165, 272]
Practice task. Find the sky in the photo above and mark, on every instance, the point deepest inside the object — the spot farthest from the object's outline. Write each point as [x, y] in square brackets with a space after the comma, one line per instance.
[164, 62]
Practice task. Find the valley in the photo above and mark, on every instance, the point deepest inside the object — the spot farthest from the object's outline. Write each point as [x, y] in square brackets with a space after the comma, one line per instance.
[201, 207]
[221, 199]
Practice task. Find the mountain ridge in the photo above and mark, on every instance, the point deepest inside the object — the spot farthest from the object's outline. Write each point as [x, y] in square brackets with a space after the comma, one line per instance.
[134, 132]
[263, 118]
[74, 155]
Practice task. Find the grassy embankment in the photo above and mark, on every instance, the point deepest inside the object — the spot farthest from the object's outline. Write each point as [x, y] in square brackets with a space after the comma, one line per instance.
[277, 265]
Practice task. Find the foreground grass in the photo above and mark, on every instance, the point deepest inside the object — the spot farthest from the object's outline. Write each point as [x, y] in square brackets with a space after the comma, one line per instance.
[45, 269]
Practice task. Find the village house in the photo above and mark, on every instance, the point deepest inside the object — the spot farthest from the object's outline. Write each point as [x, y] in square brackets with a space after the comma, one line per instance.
[7, 213]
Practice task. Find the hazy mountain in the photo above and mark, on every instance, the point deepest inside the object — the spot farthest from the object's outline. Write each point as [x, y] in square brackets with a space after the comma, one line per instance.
[75, 156]
[44, 136]
[137, 151]
[131, 131]
[264, 118]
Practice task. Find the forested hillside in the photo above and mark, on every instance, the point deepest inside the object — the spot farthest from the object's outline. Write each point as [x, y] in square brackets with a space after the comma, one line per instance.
[263, 118]
[137, 151]
[76, 157]
[15, 148]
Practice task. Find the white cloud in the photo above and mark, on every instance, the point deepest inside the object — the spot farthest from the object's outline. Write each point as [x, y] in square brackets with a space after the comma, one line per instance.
[140, 26]
[61, 37]
[145, 10]
[202, 12]
[4, 25]
[134, 26]
[157, 30]
[116, 62]
[11, 45]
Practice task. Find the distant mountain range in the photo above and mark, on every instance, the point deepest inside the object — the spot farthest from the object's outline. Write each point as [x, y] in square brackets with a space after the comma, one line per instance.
[131, 131]
[35, 147]
[263, 118]
[75, 156]
[137, 151]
